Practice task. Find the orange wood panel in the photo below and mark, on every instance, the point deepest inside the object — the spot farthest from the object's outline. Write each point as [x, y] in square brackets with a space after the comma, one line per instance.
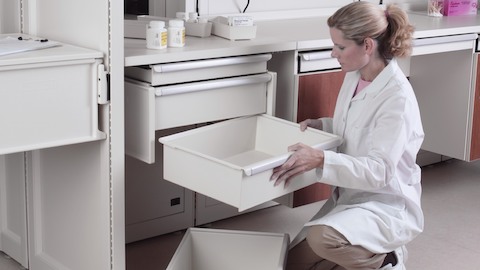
[317, 96]
[475, 146]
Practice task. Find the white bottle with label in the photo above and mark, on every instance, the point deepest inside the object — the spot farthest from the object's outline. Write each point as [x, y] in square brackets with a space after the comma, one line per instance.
[156, 35]
[176, 33]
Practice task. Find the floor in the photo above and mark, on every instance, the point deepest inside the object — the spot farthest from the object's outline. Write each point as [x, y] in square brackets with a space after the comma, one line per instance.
[451, 240]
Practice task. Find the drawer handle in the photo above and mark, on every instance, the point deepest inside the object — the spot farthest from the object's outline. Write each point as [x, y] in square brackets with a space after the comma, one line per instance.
[317, 55]
[271, 163]
[445, 39]
[172, 67]
[209, 85]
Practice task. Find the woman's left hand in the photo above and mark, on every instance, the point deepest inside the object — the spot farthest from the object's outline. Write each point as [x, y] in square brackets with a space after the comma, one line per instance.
[304, 158]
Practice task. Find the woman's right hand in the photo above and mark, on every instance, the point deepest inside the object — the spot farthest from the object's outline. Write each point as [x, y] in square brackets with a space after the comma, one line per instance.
[314, 123]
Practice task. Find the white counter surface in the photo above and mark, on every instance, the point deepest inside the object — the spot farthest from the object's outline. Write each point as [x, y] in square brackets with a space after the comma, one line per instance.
[64, 52]
[284, 35]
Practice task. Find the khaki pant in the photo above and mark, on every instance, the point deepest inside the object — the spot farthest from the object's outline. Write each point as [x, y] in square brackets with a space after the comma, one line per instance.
[327, 249]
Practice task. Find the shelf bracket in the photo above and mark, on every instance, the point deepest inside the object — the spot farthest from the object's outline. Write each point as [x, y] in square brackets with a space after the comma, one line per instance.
[102, 85]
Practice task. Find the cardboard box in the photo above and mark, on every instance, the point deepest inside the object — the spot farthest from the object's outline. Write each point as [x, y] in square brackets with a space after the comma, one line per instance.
[212, 249]
[459, 7]
[232, 161]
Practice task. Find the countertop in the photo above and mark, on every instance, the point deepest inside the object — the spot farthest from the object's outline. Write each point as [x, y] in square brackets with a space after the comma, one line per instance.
[63, 52]
[284, 35]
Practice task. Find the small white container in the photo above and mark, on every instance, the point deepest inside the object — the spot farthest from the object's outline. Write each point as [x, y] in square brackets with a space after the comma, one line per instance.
[222, 29]
[176, 33]
[198, 29]
[181, 16]
[213, 249]
[156, 35]
[193, 17]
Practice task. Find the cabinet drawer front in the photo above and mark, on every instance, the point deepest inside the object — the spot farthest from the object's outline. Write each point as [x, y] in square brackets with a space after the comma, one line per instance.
[48, 105]
[155, 108]
[180, 72]
[314, 61]
[444, 44]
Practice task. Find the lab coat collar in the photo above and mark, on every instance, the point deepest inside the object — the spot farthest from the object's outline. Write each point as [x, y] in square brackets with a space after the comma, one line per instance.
[379, 83]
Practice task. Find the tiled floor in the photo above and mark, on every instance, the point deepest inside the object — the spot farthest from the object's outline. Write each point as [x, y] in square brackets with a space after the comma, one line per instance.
[451, 240]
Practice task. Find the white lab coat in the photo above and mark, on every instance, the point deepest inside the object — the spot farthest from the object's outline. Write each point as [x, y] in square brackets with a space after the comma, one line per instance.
[375, 201]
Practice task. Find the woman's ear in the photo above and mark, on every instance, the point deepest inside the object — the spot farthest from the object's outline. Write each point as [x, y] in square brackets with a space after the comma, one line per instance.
[369, 45]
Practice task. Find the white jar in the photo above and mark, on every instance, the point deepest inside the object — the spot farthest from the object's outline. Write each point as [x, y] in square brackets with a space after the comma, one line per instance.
[156, 35]
[193, 17]
[182, 16]
[176, 33]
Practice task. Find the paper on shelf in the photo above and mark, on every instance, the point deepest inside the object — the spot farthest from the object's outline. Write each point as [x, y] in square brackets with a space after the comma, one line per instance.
[10, 45]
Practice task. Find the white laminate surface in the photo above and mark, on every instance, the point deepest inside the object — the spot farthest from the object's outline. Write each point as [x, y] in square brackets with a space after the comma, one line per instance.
[284, 35]
[64, 52]
[426, 26]
[137, 54]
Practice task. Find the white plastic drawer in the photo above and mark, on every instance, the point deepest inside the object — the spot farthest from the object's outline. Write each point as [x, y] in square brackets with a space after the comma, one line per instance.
[179, 72]
[319, 60]
[48, 104]
[151, 108]
[214, 249]
[232, 161]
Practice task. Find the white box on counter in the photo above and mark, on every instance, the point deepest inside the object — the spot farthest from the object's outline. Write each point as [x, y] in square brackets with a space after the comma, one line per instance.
[232, 161]
[213, 249]
[233, 32]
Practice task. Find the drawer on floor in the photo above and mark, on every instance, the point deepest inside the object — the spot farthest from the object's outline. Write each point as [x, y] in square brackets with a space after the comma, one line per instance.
[232, 161]
[215, 249]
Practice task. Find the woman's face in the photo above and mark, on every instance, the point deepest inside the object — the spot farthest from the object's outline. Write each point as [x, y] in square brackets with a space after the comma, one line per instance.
[350, 55]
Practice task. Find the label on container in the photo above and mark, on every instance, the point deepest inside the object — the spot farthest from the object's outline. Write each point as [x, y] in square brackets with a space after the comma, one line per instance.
[176, 37]
[156, 40]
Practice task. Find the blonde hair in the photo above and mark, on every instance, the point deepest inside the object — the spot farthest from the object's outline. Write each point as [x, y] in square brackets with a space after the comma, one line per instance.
[390, 27]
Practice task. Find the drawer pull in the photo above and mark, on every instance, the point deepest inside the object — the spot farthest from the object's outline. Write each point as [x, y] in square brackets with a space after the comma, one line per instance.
[173, 67]
[271, 163]
[215, 84]
[317, 55]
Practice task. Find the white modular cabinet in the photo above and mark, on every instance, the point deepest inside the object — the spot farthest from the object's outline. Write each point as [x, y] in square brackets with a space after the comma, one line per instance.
[49, 102]
[74, 176]
[166, 98]
[441, 75]
[13, 210]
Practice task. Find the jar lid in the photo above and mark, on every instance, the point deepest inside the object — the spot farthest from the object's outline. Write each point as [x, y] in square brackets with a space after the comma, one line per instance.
[175, 23]
[193, 15]
[157, 24]
[181, 15]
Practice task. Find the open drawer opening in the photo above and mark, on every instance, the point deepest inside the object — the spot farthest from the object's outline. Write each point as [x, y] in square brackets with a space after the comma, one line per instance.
[151, 108]
[232, 161]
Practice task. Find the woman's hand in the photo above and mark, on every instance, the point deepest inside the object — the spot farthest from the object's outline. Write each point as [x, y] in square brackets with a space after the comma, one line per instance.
[314, 123]
[303, 159]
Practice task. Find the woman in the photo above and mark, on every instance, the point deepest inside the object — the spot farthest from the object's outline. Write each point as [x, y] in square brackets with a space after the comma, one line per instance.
[374, 210]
